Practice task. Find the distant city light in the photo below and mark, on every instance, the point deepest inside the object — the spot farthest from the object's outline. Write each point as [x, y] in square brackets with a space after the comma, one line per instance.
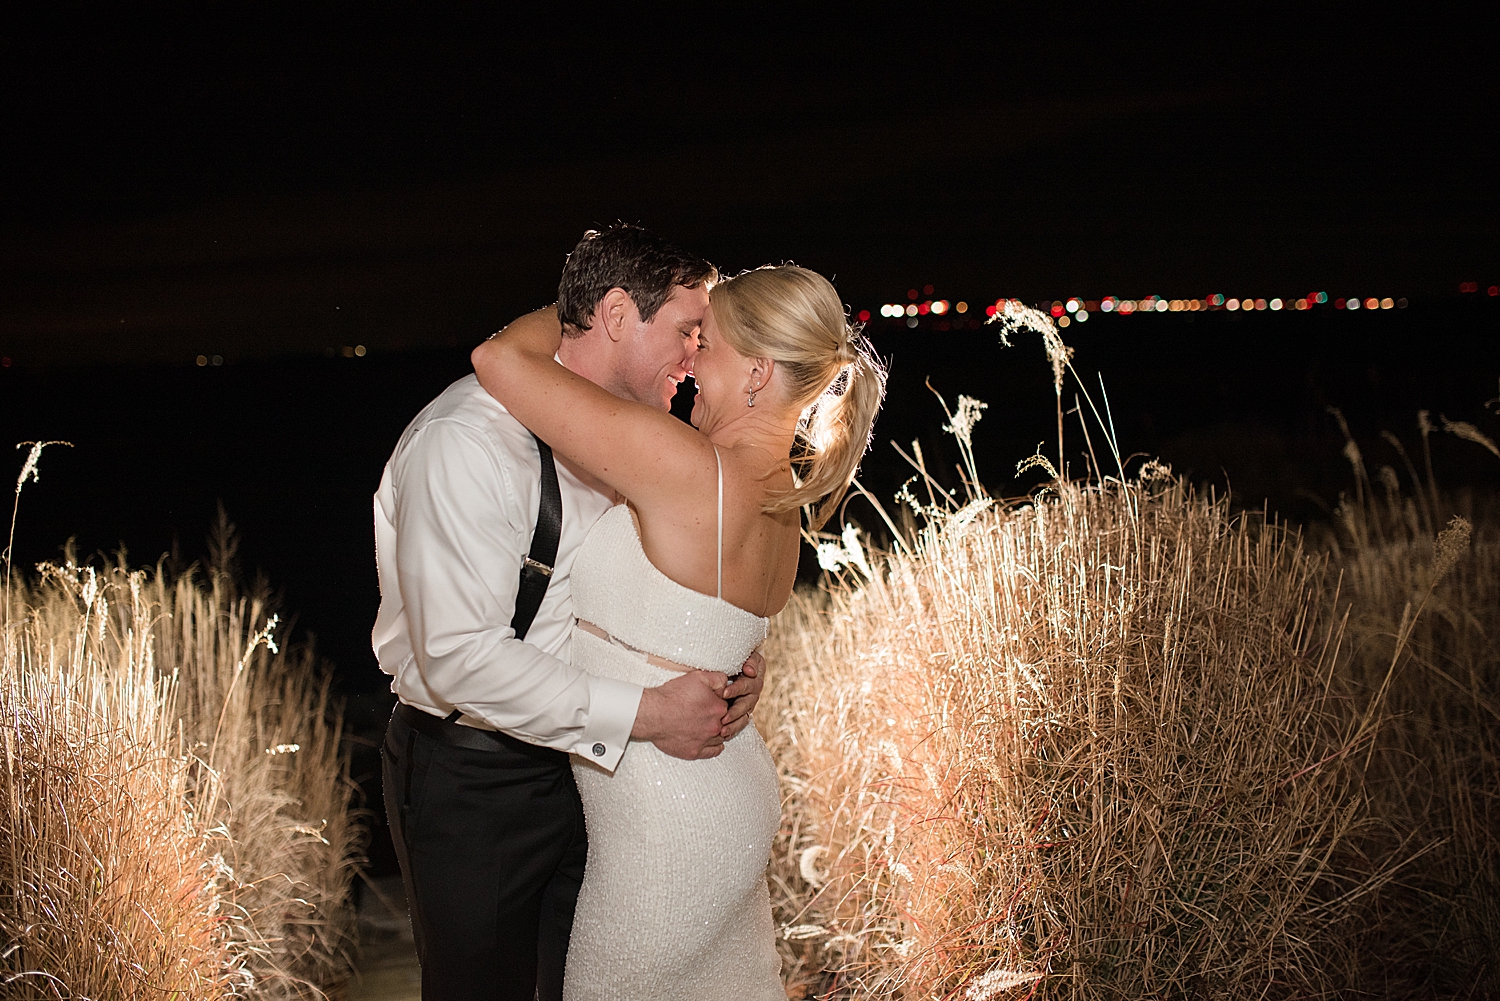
[202, 360]
[927, 290]
[1077, 308]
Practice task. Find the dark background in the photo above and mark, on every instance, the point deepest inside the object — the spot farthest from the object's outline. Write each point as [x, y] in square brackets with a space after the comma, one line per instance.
[275, 194]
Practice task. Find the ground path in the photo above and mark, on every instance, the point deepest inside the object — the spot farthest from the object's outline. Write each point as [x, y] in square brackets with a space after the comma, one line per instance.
[387, 969]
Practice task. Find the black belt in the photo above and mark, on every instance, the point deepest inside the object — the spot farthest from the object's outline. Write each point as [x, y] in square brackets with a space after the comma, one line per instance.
[458, 735]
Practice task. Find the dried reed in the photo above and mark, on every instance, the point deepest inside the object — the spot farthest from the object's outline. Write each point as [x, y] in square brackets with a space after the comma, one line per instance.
[177, 812]
[1425, 608]
[1092, 746]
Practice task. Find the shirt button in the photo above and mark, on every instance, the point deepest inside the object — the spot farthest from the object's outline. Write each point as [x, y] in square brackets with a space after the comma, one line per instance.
[598, 750]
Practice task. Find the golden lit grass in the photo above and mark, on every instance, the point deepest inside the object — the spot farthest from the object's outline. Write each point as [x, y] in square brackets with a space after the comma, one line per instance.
[1121, 742]
[1099, 738]
[176, 812]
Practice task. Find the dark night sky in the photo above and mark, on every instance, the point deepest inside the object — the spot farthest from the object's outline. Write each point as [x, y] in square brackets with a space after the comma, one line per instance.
[268, 191]
[249, 191]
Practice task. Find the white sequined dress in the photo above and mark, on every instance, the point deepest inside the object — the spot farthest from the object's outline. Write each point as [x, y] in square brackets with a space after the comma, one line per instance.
[674, 901]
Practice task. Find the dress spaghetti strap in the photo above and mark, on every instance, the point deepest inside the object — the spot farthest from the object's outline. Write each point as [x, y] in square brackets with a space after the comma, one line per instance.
[719, 459]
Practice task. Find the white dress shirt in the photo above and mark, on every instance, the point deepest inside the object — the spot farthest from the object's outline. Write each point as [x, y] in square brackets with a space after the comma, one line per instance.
[454, 517]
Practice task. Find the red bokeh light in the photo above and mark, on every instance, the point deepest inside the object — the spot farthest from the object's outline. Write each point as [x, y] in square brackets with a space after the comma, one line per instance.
[989, 311]
[924, 309]
[927, 290]
[911, 293]
[864, 316]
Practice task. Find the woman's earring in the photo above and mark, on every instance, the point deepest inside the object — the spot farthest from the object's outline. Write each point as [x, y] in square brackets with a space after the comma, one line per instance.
[750, 400]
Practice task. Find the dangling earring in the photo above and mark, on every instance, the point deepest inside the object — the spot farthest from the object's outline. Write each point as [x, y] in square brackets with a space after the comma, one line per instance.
[750, 400]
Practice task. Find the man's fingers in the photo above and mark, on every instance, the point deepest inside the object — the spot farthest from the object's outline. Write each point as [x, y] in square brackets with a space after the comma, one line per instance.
[715, 680]
[753, 664]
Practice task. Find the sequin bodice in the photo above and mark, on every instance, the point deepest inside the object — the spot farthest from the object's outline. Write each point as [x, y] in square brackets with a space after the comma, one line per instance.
[617, 588]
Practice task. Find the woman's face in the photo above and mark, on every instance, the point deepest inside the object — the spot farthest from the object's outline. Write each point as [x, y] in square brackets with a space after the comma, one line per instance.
[720, 374]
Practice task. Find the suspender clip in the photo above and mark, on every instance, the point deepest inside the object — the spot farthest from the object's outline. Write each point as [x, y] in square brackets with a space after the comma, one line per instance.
[541, 568]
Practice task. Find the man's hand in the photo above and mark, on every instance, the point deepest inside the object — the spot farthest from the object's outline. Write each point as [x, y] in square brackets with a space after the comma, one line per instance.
[743, 695]
[684, 717]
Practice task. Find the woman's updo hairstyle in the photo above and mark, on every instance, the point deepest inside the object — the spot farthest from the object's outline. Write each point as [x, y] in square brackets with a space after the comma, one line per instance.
[794, 317]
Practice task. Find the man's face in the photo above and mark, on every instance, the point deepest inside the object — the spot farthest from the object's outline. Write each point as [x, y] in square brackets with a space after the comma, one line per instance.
[658, 355]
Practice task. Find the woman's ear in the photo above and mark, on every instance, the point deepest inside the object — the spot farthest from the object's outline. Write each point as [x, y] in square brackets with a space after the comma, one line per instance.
[761, 371]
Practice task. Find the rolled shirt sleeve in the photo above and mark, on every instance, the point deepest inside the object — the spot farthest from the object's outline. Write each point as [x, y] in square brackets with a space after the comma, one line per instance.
[451, 533]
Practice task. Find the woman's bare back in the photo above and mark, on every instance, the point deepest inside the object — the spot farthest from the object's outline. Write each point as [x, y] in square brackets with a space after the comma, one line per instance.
[681, 536]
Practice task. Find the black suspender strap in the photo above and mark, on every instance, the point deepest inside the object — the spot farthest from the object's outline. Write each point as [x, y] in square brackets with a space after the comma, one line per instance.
[536, 568]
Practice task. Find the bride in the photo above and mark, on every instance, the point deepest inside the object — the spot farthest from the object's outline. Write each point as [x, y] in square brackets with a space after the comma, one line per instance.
[683, 576]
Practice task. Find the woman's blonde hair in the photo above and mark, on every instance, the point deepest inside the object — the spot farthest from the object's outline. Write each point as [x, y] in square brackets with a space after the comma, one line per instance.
[794, 317]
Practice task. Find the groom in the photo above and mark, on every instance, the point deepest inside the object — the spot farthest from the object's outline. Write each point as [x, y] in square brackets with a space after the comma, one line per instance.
[476, 527]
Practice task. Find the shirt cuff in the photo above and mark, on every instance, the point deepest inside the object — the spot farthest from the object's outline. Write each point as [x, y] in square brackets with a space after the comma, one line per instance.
[612, 708]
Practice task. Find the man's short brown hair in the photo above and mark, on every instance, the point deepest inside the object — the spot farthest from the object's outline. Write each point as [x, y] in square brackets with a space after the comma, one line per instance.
[623, 256]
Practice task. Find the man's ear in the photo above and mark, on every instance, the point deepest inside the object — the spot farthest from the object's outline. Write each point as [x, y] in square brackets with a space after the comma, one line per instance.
[614, 311]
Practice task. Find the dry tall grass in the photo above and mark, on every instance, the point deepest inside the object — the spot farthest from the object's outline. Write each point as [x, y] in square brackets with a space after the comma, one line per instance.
[1427, 620]
[177, 813]
[1119, 742]
[1093, 746]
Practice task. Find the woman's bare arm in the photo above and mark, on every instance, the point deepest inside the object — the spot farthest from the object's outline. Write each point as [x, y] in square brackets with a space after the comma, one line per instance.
[640, 451]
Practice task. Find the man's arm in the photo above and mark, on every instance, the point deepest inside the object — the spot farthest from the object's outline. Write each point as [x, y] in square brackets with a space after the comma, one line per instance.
[457, 526]
[457, 520]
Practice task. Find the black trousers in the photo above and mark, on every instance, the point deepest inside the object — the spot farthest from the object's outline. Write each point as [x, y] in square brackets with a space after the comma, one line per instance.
[492, 847]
